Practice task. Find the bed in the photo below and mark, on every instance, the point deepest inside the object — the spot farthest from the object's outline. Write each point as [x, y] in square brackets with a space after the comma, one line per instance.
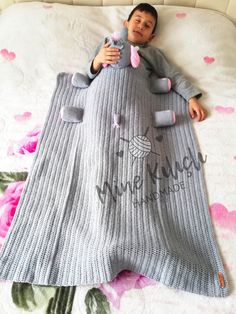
[38, 40]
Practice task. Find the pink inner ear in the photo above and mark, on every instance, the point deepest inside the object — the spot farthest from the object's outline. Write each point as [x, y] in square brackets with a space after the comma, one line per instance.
[169, 84]
[116, 36]
[134, 58]
[174, 117]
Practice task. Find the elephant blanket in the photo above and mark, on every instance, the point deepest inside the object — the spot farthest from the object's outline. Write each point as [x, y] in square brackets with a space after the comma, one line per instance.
[102, 197]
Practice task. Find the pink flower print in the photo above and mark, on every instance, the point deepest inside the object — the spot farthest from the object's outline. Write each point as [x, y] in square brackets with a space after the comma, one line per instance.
[23, 117]
[208, 60]
[8, 55]
[124, 281]
[35, 132]
[8, 204]
[223, 217]
[47, 6]
[27, 145]
[180, 15]
[223, 109]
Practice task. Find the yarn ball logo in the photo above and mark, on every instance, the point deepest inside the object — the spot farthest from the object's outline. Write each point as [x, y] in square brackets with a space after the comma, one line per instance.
[139, 146]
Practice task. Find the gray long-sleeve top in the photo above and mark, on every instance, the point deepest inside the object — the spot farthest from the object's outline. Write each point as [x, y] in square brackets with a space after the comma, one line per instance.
[154, 61]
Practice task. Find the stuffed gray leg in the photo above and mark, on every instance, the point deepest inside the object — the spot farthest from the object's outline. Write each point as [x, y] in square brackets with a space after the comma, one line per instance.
[159, 85]
[80, 80]
[164, 118]
[72, 114]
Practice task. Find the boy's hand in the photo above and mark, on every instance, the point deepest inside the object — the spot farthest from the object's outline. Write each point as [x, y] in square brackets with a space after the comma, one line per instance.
[196, 109]
[106, 55]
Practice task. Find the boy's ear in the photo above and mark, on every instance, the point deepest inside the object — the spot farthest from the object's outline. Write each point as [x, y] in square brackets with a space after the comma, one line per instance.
[152, 37]
[125, 23]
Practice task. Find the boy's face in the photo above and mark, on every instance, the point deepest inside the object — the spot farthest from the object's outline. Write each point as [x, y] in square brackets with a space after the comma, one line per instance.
[140, 27]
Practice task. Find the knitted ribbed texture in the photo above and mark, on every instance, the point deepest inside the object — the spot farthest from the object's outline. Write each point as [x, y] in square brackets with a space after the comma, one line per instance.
[98, 198]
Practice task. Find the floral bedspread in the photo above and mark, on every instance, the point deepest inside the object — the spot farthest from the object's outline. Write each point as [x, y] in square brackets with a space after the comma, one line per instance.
[39, 40]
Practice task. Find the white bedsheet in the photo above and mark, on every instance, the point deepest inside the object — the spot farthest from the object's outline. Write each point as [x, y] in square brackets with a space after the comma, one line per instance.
[38, 40]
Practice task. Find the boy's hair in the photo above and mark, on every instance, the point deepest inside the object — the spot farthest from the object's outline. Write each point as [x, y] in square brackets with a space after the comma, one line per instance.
[147, 8]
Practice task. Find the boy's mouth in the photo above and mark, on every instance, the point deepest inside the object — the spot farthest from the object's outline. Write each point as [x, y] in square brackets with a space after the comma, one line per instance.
[138, 33]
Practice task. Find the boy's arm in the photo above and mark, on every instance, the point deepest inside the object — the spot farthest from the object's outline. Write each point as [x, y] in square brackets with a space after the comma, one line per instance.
[180, 84]
[161, 66]
[196, 110]
[183, 87]
[103, 54]
[92, 74]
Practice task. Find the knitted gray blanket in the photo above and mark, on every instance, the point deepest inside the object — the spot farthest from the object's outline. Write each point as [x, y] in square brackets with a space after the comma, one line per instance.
[101, 198]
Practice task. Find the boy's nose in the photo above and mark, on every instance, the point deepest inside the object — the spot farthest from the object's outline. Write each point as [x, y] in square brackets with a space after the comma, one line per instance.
[141, 26]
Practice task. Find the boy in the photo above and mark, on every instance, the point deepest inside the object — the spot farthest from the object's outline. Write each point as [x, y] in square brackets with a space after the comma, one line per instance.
[141, 25]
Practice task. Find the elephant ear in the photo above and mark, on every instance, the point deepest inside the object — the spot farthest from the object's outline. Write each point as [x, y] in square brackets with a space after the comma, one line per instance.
[134, 57]
[110, 41]
[124, 34]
